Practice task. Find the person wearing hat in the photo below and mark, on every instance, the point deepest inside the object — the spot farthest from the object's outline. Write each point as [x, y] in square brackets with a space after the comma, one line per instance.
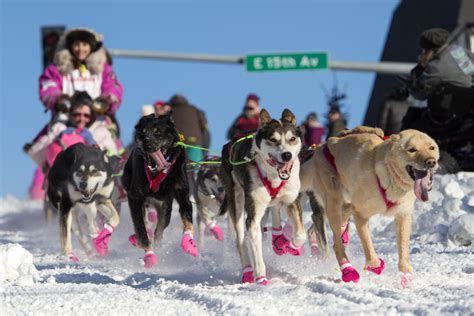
[248, 121]
[440, 63]
[161, 107]
[312, 130]
[336, 121]
[80, 64]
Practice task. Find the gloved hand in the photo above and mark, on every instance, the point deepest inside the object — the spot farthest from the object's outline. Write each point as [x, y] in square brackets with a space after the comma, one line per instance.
[63, 104]
[101, 105]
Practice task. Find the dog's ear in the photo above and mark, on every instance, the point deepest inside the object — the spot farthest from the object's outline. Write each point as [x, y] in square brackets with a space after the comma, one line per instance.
[288, 116]
[265, 117]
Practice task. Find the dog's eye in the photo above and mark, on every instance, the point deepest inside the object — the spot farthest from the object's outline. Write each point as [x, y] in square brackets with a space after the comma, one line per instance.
[293, 139]
[273, 140]
[412, 150]
[432, 147]
[95, 173]
[79, 173]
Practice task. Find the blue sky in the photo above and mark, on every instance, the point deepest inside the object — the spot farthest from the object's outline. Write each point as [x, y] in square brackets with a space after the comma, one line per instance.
[347, 30]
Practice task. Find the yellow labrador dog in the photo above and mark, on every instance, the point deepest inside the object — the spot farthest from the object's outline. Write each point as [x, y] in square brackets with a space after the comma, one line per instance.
[359, 173]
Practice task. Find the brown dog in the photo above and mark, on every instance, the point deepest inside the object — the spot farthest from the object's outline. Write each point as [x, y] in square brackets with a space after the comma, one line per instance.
[360, 173]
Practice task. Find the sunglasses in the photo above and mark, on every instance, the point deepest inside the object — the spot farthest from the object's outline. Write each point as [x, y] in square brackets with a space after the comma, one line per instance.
[78, 114]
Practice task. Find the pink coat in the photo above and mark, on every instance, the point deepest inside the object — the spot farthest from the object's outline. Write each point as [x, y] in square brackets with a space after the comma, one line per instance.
[51, 87]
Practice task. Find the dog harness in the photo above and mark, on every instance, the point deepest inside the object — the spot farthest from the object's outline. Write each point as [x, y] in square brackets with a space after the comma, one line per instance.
[330, 159]
[273, 192]
[156, 181]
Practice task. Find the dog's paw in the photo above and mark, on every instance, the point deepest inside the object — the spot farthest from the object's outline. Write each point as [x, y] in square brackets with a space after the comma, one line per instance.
[247, 275]
[101, 242]
[188, 245]
[72, 257]
[315, 252]
[152, 216]
[279, 242]
[295, 251]
[261, 280]
[377, 270]
[349, 274]
[150, 260]
[217, 232]
[406, 280]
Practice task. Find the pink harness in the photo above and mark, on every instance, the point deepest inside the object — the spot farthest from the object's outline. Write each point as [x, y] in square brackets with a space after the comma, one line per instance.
[330, 159]
[273, 192]
[155, 183]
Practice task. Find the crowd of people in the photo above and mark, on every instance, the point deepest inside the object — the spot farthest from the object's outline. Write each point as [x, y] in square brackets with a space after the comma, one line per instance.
[82, 92]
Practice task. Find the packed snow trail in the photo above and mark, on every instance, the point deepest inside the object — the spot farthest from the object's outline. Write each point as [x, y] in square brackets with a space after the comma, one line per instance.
[210, 283]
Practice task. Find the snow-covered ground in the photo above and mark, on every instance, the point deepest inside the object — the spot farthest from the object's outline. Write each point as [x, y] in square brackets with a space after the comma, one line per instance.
[209, 284]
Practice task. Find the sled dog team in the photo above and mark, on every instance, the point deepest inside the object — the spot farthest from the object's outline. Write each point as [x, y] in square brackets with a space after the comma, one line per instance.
[357, 174]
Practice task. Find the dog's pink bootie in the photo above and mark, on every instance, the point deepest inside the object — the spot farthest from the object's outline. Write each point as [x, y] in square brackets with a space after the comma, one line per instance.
[216, 231]
[295, 251]
[377, 270]
[261, 280]
[72, 257]
[349, 274]
[188, 245]
[149, 260]
[101, 242]
[315, 249]
[133, 240]
[247, 275]
[152, 216]
[407, 279]
[279, 241]
[345, 234]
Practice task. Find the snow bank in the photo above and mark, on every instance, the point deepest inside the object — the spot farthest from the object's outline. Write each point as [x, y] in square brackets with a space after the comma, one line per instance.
[448, 216]
[16, 265]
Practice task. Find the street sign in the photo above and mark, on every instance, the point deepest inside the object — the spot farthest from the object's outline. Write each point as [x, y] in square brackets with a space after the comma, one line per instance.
[287, 61]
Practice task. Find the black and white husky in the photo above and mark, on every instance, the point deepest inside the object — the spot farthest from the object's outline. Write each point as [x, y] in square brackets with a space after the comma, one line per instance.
[81, 180]
[269, 178]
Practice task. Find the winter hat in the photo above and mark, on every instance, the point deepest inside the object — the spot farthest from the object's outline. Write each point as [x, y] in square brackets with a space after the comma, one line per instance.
[84, 35]
[433, 38]
[253, 96]
[177, 100]
[147, 110]
[159, 104]
[312, 115]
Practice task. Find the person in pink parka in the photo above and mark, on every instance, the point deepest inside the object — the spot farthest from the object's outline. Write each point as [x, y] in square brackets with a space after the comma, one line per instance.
[80, 64]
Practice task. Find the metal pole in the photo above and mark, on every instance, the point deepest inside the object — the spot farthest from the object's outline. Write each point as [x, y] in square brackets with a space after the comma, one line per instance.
[393, 68]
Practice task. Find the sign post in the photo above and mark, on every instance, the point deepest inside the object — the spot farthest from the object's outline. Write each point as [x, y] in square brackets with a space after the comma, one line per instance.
[287, 61]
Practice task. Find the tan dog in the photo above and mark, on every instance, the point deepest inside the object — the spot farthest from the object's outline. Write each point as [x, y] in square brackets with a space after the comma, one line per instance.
[359, 173]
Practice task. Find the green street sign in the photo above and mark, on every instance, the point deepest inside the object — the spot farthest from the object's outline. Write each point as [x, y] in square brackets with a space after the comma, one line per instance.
[287, 61]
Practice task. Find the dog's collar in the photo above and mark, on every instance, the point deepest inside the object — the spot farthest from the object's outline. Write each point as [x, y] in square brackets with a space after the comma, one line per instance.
[273, 192]
[154, 181]
[383, 191]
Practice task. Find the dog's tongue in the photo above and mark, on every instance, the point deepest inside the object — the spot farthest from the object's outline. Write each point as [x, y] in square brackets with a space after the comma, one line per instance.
[284, 171]
[159, 159]
[422, 183]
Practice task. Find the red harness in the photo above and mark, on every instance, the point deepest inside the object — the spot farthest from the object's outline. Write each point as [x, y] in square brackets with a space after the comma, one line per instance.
[155, 182]
[273, 192]
[330, 159]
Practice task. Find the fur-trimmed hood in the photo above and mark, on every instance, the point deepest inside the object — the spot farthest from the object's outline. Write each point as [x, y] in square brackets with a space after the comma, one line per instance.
[64, 60]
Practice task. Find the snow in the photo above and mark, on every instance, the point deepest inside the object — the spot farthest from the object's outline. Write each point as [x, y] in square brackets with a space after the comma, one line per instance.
[118, 284]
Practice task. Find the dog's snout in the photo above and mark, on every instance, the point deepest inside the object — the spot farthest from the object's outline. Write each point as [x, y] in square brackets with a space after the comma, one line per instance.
[430, 162]
[286, 156]
[82, 185]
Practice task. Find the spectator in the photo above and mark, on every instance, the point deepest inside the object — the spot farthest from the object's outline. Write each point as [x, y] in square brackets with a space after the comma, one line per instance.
[336, 122]
[394, 109]
[313, 131]
[248, 121]
[441, 69]
[192, 123]
[161, 108]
